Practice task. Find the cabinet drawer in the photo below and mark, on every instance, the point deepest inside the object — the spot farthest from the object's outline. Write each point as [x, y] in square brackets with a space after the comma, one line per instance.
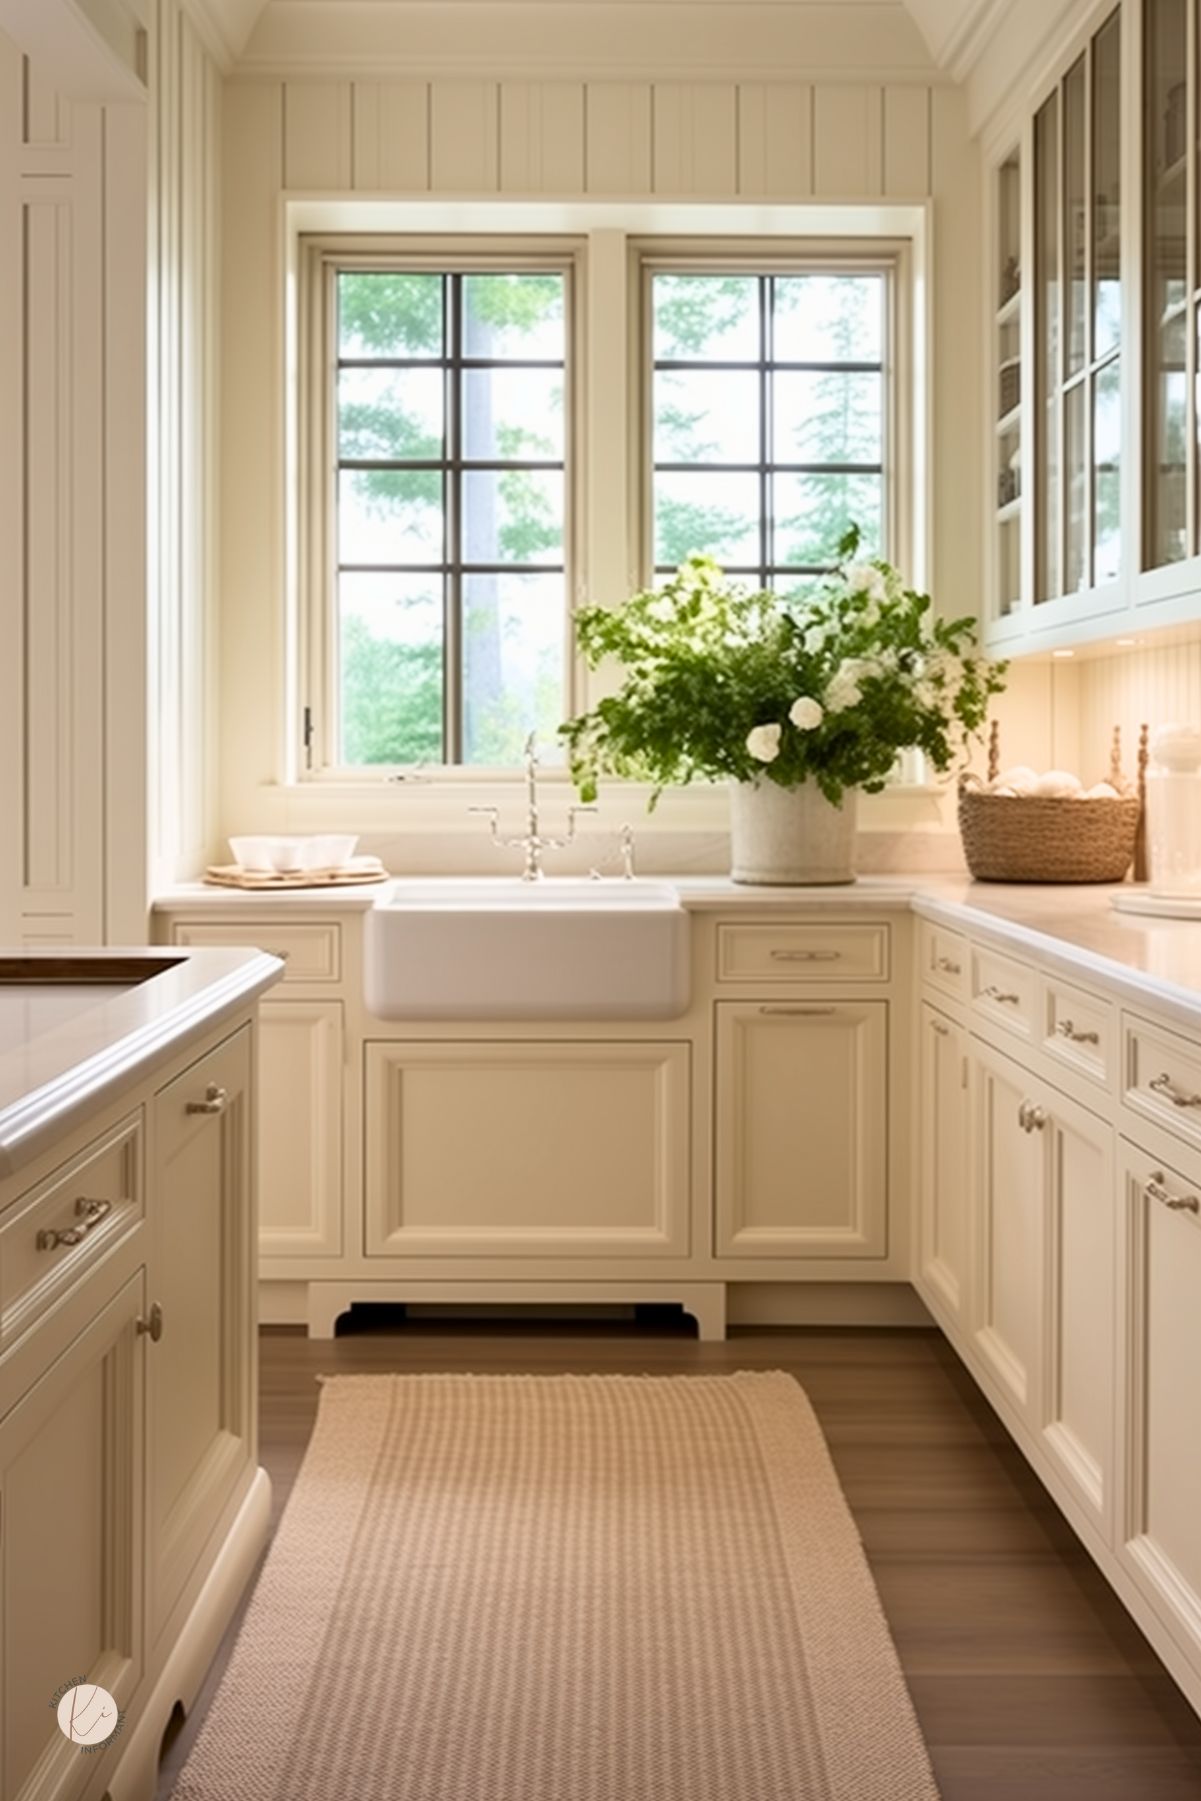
[56, 1232]
[802, 953]
[1161, 1076]
[1004, 992]
[1078, 1031]
[944, 960]
[310, 952]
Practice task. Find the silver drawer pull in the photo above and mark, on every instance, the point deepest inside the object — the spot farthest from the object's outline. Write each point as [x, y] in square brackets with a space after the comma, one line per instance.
[151, 1326]
[215, 1100]
[89, 1213]
[1179, 1203]
[1164, 1085]
[1002, 999]
[800, 1012]
[1065, 1029]
[806, 956]
[1031, 1118]
[949, 964]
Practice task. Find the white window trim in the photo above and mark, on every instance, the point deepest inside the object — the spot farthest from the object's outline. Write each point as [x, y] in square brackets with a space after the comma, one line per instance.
[609, 552]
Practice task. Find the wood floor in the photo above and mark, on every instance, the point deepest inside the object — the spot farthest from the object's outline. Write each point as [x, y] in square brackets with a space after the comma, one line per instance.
[1030, 1680]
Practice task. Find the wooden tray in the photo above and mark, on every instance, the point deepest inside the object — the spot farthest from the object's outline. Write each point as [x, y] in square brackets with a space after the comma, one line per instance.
[229, 875]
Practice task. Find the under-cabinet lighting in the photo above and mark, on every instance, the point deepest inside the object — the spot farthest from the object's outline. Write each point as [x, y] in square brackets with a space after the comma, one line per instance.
[1063, 653]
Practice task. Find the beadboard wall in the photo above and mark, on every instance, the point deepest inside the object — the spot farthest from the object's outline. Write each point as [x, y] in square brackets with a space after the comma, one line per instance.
[1155, 685]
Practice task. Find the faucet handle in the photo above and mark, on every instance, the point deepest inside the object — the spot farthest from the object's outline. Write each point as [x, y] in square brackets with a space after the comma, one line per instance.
[627, 853]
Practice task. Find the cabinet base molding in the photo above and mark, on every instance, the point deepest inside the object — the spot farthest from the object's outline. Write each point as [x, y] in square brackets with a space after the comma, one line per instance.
[136, 1776]
[825, 1304]
[705, 1301]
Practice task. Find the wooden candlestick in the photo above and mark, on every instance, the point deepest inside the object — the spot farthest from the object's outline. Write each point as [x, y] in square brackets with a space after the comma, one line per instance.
[1141, 871]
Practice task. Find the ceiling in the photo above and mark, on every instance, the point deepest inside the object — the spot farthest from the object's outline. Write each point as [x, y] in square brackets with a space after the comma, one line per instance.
[950, 28]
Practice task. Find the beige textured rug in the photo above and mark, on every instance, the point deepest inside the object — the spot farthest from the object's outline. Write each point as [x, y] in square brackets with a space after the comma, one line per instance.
[566, 1588]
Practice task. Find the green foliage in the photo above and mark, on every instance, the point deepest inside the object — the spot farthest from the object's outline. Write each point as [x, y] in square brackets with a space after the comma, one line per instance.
[391, 698]
[708, 664]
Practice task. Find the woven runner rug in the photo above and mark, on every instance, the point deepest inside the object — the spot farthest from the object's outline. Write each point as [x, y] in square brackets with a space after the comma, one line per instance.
[565, 1588]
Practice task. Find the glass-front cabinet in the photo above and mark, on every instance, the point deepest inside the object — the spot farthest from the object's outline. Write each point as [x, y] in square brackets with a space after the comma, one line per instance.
[1170, 282]
[1078, 327]
[1007, 396]
[1094, 322]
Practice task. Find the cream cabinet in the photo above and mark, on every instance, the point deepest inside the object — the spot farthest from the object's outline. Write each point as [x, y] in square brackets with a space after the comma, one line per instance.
[1044, 1298]
[201, 1401]
[301, 1062]
[71, 1571]
[944, 1178]
[527, 1148]
[1159, 1541]
[800, 1124]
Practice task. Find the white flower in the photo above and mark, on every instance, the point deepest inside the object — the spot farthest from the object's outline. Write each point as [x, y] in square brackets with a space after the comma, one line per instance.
[844, 690]
[764, 743]
[815, 639]
[805, 714]
[865, 578]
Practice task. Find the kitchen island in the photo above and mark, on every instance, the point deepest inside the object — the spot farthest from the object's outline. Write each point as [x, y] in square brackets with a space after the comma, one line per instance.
[132, 1506]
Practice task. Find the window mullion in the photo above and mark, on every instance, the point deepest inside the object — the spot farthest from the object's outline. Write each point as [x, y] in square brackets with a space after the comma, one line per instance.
[452, 500]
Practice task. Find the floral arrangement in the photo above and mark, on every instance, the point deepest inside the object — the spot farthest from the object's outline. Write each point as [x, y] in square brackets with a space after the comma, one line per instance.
[721, 682]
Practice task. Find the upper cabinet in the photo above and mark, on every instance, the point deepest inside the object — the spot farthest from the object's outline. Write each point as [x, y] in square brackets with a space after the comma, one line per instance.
[1094, 323]
[1170, 279]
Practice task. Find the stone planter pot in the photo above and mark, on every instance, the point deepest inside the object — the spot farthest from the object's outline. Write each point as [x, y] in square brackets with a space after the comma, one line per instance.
[791, 837]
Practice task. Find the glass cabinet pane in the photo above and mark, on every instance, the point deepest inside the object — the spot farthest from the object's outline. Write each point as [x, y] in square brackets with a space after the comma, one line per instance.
[1075, 433]
[1107, 467]
[1166, 264]
[1046, 169]
[1107, 188]
[1075, 232]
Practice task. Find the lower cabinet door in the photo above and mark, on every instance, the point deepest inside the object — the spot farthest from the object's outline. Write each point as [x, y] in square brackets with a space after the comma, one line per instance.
[300, 1128]
[944, 1188]
[801, 1114]
[200, 1370]
[1077, 1390]
[527, 1149]
[71, 1467]
[1159, 1288]
[1007, 1303]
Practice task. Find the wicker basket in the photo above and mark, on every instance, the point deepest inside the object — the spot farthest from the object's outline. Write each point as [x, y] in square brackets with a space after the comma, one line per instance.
[1030, 838]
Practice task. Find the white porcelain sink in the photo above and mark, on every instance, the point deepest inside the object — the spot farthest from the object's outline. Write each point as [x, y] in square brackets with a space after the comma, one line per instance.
[489, 948]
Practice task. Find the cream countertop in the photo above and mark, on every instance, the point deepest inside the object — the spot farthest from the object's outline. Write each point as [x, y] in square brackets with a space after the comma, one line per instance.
[68, 1047]
[1073, 929]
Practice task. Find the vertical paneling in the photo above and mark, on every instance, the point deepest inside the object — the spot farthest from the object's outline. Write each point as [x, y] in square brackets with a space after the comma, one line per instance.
[695, 138]
[775, 140]
[392, 136]
[618, 136]
[847, 142]
[464, 137]
[1150, 685]
[907, 142]
[11, 492]
[46, 121]
[542, 137]
[317, 134]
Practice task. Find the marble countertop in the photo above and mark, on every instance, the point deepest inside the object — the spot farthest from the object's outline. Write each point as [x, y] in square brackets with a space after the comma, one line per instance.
[69, 1047]
[1073, 929]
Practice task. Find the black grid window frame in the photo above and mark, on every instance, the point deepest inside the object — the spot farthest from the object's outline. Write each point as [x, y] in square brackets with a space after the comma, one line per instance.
[767, 572]
[452, 568]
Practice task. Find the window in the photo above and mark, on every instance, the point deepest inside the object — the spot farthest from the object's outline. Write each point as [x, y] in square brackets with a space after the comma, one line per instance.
[769, 417]
[448, 563]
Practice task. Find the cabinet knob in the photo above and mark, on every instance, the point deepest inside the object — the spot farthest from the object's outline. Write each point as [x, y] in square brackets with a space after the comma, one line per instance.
[152, 1325]
[1031, 1118]
[215, 1100]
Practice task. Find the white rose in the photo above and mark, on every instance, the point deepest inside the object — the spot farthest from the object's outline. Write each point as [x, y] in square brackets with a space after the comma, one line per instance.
[806, 714]
[764, 743]
[844, 690]
[865, 578]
